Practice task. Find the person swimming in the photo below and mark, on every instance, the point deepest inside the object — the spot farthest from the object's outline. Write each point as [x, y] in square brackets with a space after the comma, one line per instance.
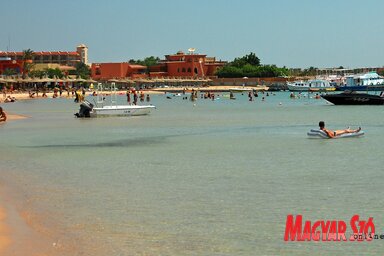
[335, 133]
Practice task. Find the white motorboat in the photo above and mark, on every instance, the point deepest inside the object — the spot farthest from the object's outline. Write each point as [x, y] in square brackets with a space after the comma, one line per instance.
[87, 109]
[122, 110]
[311, 85]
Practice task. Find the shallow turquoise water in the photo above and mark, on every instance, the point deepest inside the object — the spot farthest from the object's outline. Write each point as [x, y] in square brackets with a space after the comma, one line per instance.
[214, 178]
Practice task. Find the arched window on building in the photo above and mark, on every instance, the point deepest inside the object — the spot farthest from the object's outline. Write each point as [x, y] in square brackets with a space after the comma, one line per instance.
[183, 70]
[178, 70]
[196, 71]
[189, 70]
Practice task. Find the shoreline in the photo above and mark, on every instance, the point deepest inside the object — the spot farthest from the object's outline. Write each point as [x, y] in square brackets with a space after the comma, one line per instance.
[25, 95]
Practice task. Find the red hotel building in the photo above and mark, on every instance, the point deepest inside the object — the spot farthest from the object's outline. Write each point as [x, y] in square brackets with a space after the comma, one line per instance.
[118, 70]
[175, 65]
[14, 60]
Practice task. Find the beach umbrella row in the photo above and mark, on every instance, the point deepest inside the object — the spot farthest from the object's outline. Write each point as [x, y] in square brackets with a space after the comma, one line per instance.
[43, 80]
[158, 80]
[81, 80]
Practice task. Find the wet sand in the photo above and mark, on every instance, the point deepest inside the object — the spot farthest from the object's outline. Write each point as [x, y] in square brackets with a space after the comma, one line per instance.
[4, 232]
[11, 117]
[17, 237]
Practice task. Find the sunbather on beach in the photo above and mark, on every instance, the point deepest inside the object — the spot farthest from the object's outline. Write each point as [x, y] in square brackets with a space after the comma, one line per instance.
[9, 99]
[332, 134]
[3, 116]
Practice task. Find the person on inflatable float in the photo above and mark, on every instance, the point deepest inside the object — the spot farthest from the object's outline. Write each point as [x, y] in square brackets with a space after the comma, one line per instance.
[333, 134]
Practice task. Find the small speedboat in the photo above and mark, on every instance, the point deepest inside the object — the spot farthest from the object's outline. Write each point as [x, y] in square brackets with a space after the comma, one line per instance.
[353, 98]
[122, 110]
[87, 110]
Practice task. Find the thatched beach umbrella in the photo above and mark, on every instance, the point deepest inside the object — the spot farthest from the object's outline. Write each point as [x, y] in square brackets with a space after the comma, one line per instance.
[36, 80]
[9, 80]
[58, 80]
[90, 81]
[47, 79]
[28, 80]
[80, 80]
[19, 80]
[128, 81]
[69, 80]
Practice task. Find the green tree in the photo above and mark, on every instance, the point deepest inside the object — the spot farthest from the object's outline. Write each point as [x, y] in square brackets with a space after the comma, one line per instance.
[37, 73]
[27, 61]
[9, 72]
[54, 72]
[28, 54]
[250, 59]
[148, 61]
[151, 61]
[82, 70]
[249, 66]
[229, 71]
[311, 71]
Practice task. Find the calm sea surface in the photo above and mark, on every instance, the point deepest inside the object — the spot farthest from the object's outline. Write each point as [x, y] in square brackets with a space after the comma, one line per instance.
[204, 178]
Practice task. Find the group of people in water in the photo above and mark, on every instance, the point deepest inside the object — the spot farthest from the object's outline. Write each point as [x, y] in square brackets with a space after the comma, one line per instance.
[212, 96]
[135, 95]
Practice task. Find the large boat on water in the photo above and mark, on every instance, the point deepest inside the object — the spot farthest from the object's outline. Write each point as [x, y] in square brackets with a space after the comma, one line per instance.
[311, 85]
[354, 98]
[363, 82]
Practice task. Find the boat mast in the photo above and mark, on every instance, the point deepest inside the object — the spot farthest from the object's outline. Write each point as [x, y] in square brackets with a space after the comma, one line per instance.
[113, 94]
[100, 98]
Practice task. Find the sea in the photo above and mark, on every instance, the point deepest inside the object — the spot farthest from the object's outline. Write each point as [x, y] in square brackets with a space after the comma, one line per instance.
[194, 178]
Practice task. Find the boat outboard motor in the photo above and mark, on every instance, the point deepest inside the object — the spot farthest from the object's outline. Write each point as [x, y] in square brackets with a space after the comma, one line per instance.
[85, 109]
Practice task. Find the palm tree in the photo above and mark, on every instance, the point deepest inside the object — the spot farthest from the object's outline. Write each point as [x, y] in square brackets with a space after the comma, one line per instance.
[28, 54]
[27, 61]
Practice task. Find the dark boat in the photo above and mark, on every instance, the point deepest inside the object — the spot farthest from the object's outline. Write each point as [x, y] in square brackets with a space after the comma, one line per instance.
[353, 98]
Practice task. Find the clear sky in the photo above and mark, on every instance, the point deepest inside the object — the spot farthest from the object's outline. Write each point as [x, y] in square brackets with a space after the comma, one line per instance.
[292, 33]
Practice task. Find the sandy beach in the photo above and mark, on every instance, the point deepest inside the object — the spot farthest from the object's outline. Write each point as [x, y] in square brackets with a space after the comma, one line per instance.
[25, 95]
